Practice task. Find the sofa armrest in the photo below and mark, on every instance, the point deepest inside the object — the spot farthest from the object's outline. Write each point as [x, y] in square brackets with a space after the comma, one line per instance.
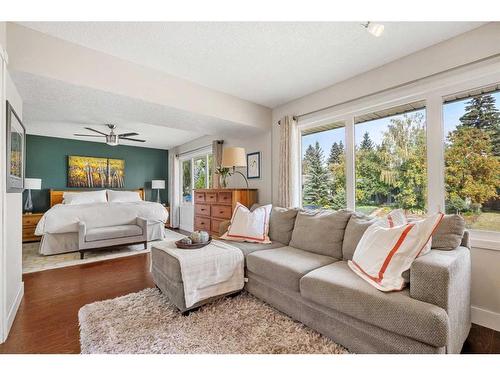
[443, 278]
[223, 226]
[143, 223]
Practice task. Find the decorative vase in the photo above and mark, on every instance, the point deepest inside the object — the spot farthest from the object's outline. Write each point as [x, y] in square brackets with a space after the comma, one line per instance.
[222, 181]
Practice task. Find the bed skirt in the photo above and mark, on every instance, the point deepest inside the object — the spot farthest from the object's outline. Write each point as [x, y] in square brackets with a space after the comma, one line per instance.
[58, 243]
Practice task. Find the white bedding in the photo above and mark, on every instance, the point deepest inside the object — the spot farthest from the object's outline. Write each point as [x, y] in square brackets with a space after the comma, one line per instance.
[65, 218]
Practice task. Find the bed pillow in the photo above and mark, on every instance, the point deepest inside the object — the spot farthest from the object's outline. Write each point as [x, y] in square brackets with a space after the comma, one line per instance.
[249, 226]
[123, 196]
[84, 197]
[383, 254]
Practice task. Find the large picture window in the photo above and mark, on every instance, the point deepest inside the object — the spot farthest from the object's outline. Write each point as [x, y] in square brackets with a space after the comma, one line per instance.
[472, 159]
[323, 167]
[390, 160]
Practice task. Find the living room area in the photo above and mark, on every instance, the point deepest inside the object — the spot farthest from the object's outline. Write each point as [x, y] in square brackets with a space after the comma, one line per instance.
[258, 187]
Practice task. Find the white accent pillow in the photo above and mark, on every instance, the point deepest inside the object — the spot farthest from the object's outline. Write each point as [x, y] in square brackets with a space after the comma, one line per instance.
[249, 226]
[395, 218]
[383, 254]
[116, 196]
[84, 197]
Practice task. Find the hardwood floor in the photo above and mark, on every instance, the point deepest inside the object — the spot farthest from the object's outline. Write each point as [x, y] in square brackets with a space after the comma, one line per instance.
[47, 320]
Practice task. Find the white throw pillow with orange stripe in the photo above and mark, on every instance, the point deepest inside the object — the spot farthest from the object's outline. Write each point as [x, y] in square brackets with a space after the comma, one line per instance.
[249, 226]
[395, 218]
[383, 254]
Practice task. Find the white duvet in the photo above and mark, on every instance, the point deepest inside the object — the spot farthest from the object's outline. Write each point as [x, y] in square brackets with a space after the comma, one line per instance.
[63, 218]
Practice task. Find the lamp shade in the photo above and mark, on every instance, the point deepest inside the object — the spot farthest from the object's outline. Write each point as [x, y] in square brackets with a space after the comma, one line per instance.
[234, 157]
[158, 184]
[33, 183]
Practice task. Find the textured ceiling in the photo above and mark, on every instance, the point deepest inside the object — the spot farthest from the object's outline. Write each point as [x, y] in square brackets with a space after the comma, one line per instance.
[266, 63]
[54, 108]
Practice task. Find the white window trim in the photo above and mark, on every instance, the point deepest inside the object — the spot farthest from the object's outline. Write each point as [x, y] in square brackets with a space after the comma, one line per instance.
[207, 151]
[432, 91]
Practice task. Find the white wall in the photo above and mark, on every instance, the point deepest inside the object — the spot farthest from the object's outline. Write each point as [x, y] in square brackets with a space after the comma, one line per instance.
[11, 285]
[472, 46]
[258, 142]
[14, 227]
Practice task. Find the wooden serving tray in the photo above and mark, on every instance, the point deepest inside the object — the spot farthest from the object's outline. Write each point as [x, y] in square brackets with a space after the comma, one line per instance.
[198, 245]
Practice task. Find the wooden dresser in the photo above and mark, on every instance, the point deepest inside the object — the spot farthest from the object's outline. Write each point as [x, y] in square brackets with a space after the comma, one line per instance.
[213, 206]
[29, 224]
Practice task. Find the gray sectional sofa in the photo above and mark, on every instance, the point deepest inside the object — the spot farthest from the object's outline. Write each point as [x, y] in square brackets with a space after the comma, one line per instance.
[304, 273]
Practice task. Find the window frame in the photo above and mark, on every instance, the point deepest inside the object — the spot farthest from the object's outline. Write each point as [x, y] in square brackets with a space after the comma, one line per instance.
[192, 157]
[433, 92]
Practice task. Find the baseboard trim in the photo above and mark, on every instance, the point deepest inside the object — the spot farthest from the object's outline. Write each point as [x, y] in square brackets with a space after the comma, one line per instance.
[13, 309]
[485, 318]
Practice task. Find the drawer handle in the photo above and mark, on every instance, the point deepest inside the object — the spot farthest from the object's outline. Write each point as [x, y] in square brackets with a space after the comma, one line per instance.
[202, 223]
[221, 212]
[203, 209]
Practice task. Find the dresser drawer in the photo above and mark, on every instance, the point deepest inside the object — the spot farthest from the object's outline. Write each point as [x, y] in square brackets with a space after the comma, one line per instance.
[31, 219]
[202, 209]
[211, 197]
[215, 226]
[224, 197]
[199, 197]
[221, 212]
[202, 223]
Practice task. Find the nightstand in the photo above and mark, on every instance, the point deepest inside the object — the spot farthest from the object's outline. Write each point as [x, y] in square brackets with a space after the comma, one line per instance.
[30, 222]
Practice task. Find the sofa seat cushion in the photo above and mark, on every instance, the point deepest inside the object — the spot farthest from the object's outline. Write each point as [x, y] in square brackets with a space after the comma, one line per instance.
[117, 231]
[285, 266]
[335, 286]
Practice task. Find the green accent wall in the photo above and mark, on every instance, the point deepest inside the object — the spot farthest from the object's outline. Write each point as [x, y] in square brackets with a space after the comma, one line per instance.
[47, 158]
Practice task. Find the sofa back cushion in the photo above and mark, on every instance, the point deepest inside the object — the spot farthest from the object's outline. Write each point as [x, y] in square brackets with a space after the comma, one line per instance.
[320, 232]
[356, 227]
[449, 233]
[281, 224]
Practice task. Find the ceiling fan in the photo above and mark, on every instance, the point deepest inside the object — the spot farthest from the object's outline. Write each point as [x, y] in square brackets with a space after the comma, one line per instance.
[112, 139]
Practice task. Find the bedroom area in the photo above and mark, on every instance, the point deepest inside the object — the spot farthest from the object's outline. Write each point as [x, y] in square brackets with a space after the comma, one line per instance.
[116, 181]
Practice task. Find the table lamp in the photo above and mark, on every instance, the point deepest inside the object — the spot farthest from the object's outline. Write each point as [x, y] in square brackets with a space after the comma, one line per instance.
[158, 184]
[233, 157]
[31, 184]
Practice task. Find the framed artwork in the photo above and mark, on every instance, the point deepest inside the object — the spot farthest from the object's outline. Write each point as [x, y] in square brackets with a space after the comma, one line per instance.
[253, 165]
[116, 170]
[94, 172]
[16, 138]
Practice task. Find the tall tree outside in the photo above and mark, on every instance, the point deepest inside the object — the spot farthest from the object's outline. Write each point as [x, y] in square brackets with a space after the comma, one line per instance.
[472, 162]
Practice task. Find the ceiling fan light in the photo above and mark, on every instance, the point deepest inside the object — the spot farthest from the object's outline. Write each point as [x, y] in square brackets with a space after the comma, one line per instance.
[112, 140]
[376, 29]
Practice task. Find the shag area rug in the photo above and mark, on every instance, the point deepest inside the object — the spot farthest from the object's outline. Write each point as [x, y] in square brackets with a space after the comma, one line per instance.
[145, 322]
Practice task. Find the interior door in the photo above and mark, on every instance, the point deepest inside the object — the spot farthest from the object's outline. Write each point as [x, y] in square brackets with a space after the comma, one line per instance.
[186, 208]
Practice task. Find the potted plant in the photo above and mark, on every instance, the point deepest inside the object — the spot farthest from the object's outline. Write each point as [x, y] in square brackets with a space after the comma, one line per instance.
[223, 172]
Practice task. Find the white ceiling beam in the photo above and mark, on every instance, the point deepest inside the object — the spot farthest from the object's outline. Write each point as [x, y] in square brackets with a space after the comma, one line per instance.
[43, 55]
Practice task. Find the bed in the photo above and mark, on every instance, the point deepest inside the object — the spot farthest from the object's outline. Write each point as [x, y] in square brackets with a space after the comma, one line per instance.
[59, 225]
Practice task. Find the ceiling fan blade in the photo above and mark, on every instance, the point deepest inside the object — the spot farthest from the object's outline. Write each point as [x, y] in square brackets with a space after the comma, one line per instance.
[132, 139]
[97, 131]
[127, 134]
[88, 135]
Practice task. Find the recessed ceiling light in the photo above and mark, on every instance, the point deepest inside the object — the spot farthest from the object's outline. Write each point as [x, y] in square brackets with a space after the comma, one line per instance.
[376, 29]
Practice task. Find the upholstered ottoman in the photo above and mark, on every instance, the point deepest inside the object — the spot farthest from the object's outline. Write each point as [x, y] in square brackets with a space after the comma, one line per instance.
[200, 268]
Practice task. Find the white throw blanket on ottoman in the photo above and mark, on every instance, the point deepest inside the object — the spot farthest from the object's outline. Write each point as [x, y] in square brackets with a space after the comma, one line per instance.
[215, 269]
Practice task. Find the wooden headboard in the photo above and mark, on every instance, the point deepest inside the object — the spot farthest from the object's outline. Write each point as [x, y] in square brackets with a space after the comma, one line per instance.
[56, 196]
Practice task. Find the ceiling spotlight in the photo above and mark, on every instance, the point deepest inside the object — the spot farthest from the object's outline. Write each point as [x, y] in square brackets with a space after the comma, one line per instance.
[376, 29]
